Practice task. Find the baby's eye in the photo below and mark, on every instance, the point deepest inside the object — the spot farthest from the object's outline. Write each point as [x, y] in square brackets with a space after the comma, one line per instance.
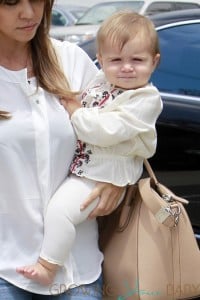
[137, 59]
[116, 59]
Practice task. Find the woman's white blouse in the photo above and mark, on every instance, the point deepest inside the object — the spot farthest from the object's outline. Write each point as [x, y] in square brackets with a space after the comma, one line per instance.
[117, 130]
[36, 148]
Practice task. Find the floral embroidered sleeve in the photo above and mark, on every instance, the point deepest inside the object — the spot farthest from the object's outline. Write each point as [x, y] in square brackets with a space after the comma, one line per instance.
[132, 115]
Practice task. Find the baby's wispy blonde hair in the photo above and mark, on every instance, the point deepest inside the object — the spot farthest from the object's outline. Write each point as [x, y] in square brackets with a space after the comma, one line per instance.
[123, 26]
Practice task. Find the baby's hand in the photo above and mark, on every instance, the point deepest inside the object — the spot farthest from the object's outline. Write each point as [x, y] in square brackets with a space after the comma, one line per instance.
[71, 105]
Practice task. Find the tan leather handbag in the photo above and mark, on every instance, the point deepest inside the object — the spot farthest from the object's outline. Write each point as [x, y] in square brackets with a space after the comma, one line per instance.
[149, 246]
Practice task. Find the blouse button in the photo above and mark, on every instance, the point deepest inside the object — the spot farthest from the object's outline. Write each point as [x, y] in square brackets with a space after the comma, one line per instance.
[37, 101]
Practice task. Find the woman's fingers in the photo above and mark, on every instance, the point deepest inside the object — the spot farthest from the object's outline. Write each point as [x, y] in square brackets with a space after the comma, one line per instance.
[109, 198]
[93, 195]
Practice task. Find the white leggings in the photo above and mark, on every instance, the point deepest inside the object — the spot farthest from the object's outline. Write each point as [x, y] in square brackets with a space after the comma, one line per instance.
[63, 213]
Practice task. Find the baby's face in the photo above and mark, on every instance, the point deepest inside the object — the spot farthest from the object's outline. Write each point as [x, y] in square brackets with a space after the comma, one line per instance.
[130, 67]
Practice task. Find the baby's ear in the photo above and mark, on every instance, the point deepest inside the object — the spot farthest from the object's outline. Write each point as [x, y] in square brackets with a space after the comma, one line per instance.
[156, 60]
[99, 58]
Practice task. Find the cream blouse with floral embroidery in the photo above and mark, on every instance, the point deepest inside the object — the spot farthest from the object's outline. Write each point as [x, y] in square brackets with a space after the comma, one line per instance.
[116, 131]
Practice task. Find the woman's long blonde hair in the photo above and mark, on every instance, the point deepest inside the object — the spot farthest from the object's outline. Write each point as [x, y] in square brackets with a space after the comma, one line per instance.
[46, 66]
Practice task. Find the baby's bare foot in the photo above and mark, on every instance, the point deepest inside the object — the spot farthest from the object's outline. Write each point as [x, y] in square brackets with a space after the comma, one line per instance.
[39, 273]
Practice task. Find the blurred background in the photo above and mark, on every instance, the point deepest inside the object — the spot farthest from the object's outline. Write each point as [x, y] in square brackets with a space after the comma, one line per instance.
[80, 2]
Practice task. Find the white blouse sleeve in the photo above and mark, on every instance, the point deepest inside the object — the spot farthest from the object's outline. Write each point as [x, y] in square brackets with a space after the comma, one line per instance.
[131, 116]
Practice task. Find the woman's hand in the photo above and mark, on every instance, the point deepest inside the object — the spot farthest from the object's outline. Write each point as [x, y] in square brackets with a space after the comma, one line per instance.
[71, 105]
[109, 195]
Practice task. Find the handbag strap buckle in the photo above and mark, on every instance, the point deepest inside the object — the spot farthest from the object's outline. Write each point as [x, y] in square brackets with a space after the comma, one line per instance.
[167, 197]
[174, 210]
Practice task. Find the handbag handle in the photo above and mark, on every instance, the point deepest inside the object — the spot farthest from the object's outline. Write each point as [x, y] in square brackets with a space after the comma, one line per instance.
[150, 171]
[165, 193]
[161, 201]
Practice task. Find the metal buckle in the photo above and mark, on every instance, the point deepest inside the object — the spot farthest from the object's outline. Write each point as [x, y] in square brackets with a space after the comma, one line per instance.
[175, 211]
[167, 197]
